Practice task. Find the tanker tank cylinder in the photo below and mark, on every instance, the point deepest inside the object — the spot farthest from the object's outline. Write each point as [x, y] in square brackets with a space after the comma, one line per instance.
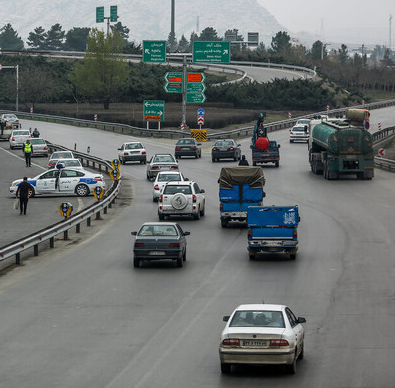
[262, 143]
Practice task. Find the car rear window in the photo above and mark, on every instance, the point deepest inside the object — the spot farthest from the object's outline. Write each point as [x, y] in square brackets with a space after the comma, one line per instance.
[224, 143]
[169, 178]
[258, 319]
[298, 129]
[157, 230]
[133, 146]
[72, 163]
[37, 141]
[24, 133]
[57, 155]
[173, 189]
[186, 141]
[163, 159]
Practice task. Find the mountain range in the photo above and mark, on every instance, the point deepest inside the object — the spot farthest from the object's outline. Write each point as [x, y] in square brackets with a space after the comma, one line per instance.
[146, 19]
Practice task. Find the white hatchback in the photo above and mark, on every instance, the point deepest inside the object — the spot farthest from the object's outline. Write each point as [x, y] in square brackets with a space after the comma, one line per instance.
[259, 334]
[162, 178]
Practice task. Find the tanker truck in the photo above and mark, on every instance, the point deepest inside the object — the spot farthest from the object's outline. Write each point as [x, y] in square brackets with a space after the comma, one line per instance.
[342, 146]
[263, 149]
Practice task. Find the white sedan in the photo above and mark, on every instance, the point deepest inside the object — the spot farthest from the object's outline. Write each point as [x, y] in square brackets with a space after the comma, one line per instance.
[162, 178]
[64, 181]
[259, 334]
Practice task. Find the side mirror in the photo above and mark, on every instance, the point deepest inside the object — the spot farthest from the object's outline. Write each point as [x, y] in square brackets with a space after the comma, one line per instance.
[226, 318]
[278, 145]
[238, 145]
[199, 143]
[186, 179]
[263, 195]
[202, 191]
[251, 146]
[301, 320]
[119, 149]
[187, 233]
[133, 233]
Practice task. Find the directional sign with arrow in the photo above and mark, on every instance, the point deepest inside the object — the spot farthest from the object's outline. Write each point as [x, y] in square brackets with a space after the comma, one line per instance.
[214, 52]
[382, 152]
[154, 51]
[154, 110]
[173, 82]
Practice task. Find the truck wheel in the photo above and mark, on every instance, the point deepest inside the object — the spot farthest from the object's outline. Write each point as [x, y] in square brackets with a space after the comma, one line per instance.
[224, 223]
[292, 256]
[277, 163]
[254, 163]
[251, 254]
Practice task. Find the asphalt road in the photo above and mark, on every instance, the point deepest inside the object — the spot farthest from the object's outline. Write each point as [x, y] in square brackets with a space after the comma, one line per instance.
[82, 316]
[42, 211]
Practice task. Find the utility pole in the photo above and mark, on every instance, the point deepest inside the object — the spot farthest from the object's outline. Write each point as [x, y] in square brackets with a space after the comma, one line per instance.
[172, 29]
[390, 33]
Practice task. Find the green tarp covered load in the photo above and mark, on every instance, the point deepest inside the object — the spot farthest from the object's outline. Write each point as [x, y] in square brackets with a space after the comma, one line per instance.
[242, 175]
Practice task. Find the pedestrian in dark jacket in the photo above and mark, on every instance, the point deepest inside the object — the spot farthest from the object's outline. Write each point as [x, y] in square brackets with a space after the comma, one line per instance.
[27, 150]
[24, 191]
[243, 161]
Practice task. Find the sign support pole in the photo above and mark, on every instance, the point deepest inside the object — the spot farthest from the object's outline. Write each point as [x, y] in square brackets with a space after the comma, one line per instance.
[184, 90]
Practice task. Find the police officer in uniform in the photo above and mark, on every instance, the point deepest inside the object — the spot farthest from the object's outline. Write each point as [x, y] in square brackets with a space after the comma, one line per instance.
[27, 150]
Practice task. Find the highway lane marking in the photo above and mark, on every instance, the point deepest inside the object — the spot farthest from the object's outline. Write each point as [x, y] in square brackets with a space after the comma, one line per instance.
[20, 157]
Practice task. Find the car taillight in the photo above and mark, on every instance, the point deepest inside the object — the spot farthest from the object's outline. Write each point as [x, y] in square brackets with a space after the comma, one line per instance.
[278, 342]
[221, 206]
[156, 187]
[143, 153]
[161, 198]
[291, 133]
[295, 234]
[214, 149]
[249, 233]
[231, 342]
[231, 148]
[307, 133]
[13, 138]
[126, 153]
[193, 148]
[194, 198]
[28, 137]
[138, 245]
[155, 167]
[177, 148]
[174, 245]
[46, 147]
[174, 167]
[98, 179]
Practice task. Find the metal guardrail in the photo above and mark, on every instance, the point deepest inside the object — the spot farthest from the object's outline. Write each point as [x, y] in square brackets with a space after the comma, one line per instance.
[49, 233]
[384, 164]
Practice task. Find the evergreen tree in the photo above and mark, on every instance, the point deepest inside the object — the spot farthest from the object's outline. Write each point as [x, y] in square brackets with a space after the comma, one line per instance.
[281, 43]
[123, 31]
[318, 50]
[36, 39]
[208, 35]
[172, 42]
[343, 54]
[77, 39]
[55, 37]
[9, 39]
[183, 45]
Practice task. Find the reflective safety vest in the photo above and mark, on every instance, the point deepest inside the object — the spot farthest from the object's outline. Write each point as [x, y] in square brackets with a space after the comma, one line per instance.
[27, 148]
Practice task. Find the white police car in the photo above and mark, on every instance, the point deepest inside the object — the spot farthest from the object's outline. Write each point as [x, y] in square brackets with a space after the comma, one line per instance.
[63, 181]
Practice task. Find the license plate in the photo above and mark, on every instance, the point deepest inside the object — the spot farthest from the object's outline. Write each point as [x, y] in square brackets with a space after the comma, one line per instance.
[157, 253]
[273, 244]
[258, 344]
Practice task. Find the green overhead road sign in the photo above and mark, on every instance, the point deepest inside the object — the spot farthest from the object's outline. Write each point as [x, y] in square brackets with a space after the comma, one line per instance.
[196, 87]
[212, 52]
[154, 110]
[173, 82]
[154, 51]
[196, 98]
[99, 14]
[113, 13]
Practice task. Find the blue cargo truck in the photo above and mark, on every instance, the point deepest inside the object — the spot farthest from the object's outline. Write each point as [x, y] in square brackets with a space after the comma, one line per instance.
[239, 188]
[273, 229]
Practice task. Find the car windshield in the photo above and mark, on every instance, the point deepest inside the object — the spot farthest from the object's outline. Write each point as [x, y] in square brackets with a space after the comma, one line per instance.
[163, 159]
[24, 133]
[157, 230]
[10, 116]
[258, 319]
[185, 141]
[57, 155]
[224, 143]
[169, 177]
[174, 189]
[37, 141]
[133, 146]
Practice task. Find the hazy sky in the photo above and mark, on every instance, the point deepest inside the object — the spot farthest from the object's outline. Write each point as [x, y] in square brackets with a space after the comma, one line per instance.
[347, 21]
